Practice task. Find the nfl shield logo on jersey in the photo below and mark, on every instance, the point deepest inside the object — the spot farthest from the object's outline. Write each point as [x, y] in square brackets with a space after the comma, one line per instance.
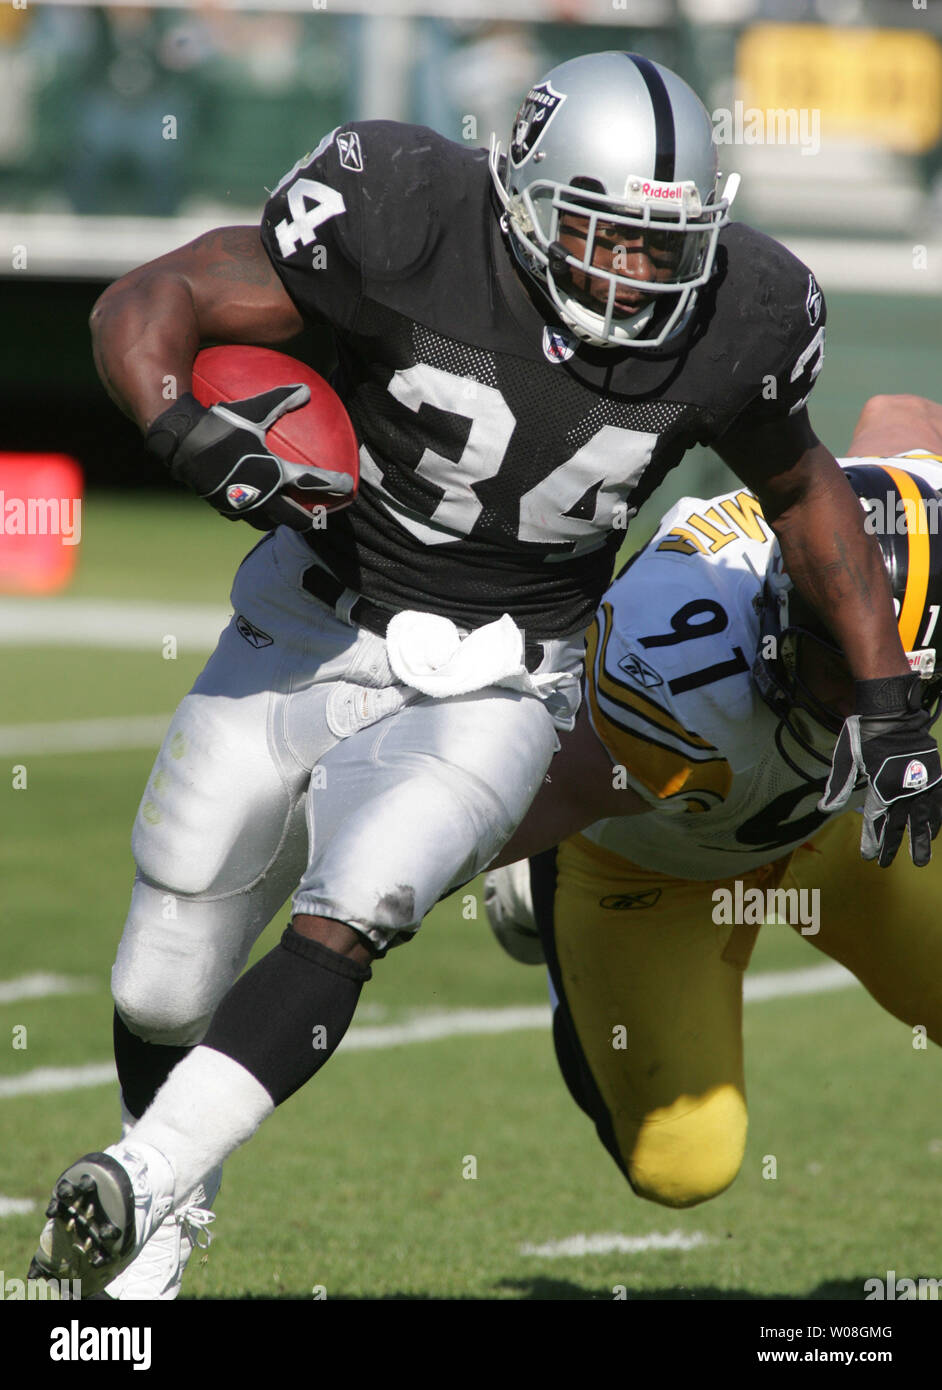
[241, 495]
[538, 109]
[558, 346]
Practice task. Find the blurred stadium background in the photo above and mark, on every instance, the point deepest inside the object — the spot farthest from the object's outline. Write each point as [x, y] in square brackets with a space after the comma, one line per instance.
[90, 183]
[127, 130]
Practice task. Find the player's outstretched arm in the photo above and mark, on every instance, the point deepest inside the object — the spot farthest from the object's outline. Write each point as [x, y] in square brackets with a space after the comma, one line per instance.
[831, 559]
[149, 325]
[891, 425]
[837, 567]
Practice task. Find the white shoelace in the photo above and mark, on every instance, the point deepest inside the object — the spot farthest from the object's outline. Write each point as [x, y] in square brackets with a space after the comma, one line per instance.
[193, 1221]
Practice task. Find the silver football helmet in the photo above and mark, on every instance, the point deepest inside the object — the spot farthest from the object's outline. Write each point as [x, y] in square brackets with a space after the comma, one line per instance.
[624, 143]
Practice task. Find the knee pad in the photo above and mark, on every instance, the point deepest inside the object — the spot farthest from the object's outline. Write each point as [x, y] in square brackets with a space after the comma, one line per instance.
[679, 1156]
[178, 957]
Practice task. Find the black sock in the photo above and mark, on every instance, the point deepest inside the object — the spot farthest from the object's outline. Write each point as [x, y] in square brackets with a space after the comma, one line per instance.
[143, 1067]
[283, 1018]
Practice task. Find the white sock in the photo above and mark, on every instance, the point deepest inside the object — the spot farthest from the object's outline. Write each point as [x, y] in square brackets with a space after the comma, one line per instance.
[208, 1190]
[128, 1121]
[206, 1108]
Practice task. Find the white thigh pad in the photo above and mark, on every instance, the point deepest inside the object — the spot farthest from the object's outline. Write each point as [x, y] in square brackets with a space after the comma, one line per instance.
[213, 814]
[407, 810]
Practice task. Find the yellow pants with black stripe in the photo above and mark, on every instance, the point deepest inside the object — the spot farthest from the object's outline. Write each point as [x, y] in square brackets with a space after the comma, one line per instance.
[648, 1028]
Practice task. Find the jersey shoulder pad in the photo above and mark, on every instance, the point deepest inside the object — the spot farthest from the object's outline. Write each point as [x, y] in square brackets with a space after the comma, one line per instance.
[729, 530]
[771, 313]
[366, 206]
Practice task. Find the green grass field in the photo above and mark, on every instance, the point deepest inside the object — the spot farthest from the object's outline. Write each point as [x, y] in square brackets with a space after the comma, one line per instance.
[357, 1183]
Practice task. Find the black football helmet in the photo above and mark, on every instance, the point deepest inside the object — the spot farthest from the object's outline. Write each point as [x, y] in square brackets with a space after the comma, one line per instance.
[903, 512]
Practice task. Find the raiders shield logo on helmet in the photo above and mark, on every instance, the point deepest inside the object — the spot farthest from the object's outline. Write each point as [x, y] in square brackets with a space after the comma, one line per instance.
[539, 107]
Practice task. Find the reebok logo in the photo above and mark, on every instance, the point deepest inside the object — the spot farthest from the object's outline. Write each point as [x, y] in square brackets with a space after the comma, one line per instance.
[640, 671]
[350, 150]
[630, 902]
[252, 634]
[814, 301]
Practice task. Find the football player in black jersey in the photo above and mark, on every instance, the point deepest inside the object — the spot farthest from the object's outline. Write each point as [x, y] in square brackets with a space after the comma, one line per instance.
[526, 344]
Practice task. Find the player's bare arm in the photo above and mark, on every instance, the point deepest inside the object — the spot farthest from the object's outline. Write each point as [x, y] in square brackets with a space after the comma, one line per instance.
[831, 559]
[150, 324]
[580, 788]
[890, 425]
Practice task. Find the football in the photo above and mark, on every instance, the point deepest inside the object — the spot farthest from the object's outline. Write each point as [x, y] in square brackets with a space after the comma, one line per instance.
[319, 433]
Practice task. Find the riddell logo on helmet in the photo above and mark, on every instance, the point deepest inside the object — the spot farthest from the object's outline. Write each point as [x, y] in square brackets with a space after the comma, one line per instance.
[666, 192]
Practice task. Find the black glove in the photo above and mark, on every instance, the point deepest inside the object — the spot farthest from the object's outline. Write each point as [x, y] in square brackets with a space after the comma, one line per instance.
[889, 742]
[221, 453]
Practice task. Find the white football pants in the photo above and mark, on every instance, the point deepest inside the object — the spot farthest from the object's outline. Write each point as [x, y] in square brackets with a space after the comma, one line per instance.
[298, 763]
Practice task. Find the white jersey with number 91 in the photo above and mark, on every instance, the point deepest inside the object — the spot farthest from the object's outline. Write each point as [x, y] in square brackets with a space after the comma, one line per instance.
[671, 697]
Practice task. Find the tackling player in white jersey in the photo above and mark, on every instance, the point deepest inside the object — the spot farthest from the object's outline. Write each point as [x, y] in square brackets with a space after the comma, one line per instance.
[713, 701]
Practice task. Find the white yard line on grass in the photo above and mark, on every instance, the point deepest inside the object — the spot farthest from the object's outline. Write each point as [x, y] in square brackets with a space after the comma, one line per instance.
[581, 1245]
[116, 623]
[83, 736]
[41, 985]
[45, 1079]
[431, 1027]
[456, 1023]
[779, 984]
[16, 1206]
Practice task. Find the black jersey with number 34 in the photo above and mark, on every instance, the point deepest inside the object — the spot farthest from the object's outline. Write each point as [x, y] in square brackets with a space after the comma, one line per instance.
[500, 459]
